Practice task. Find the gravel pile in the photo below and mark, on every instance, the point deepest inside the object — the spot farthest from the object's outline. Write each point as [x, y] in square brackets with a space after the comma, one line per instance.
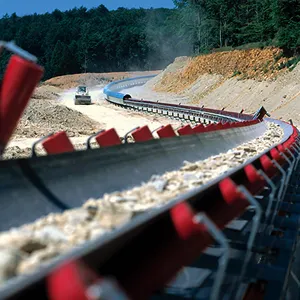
[46, 92]
[42, 117]
[30, 247]
[16, 152]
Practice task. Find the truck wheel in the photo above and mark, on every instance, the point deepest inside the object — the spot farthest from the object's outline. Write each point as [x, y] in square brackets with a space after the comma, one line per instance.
[76, 102]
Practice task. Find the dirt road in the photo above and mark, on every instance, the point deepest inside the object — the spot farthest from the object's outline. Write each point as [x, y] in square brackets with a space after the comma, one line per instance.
[52, 109]
[111, 116]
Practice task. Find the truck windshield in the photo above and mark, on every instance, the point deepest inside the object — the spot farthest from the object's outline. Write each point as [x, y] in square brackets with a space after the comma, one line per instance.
[82, 89]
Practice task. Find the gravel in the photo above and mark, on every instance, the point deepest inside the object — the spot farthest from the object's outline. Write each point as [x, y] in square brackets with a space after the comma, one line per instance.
[42, 117]
[32, 246]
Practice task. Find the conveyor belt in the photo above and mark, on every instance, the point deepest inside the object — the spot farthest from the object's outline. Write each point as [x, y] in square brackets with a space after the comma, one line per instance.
[144, 254]
[49, 184]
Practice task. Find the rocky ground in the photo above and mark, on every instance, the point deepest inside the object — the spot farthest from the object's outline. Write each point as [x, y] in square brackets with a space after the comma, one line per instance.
[45, 116]
[32, 246]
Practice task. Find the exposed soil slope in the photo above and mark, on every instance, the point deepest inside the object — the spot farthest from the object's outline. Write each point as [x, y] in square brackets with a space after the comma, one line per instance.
[246, 64]
[236, 80]
[92, 79]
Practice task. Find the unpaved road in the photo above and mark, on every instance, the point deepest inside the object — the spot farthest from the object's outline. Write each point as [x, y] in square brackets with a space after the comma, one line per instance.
[112, 116]
[101, 111]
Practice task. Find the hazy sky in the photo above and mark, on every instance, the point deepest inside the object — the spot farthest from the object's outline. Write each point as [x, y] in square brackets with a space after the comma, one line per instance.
[23, 7]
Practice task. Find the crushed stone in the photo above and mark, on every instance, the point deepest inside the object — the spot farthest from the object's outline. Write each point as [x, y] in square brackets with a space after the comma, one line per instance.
[33, 246]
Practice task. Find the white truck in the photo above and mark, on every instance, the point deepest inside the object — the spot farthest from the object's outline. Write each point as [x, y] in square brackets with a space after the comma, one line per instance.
[82, 96]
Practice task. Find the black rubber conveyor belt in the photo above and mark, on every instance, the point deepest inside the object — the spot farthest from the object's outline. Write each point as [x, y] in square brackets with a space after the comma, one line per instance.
[31, 188]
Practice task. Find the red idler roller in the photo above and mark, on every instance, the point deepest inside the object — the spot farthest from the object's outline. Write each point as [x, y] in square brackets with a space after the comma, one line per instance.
[142, 134]
[210, 127]
[289, 143]
[226, 125]
[268, 166]
[231, 206]
[108, 138]
[58, 143]
[152, 270]
[74, 280]
[182, 240]
[18, 84]
[70, 281]
[166, 131]
[235, 124]
[185, 130]
[199, 128]
[282, 148]
[218, 126]
[255, 181]
[275, 154]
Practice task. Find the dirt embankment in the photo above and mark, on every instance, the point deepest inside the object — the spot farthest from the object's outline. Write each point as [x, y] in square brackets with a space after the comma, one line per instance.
[245, 79]
[243, 64]
[92, 79]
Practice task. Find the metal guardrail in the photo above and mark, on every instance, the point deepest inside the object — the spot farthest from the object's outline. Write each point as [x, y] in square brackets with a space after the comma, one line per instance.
[113, 94]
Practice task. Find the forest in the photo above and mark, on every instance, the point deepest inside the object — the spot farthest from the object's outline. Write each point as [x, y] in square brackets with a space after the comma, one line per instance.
[99, 40]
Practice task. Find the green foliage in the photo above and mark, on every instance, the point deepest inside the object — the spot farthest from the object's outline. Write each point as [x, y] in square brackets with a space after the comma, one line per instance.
[236, 73]
[250, 46]
[99, 40]
[242, 24]
[290, 64]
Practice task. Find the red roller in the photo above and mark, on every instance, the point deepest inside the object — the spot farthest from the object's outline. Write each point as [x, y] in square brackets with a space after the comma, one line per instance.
[199, 128]
[74, 280]
[289, 143]
[142, 134]
[58, 143]
[186, 241]
[268, 166]
[166, 131]
[255, 181]
[70, 281]
[235, 124]
[210, 127]
[19, 82]
[185, 130]
[232, 205]
[108, 138]
[276, 155]
[226, 126]
[218, 126]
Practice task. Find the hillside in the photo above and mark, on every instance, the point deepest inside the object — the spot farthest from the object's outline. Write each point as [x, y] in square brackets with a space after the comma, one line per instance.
[236, 80]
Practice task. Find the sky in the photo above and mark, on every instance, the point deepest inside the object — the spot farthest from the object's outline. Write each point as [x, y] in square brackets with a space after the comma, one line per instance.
[25, 7]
